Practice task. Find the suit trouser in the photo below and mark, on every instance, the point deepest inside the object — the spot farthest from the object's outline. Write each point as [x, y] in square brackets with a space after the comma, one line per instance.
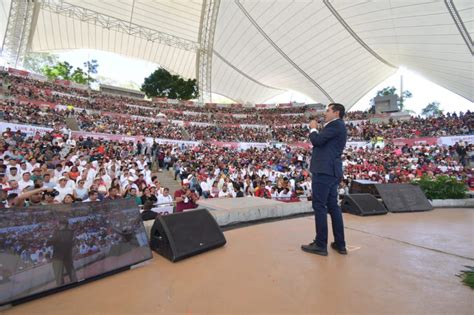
[58, 267]
[325, 201]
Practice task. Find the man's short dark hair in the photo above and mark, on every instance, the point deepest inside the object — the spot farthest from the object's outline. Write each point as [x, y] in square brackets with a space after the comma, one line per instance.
[338, 108]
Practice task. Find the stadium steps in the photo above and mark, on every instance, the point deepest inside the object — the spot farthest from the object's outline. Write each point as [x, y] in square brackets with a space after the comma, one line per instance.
[166, 179]
[186, 135]
[72, 124]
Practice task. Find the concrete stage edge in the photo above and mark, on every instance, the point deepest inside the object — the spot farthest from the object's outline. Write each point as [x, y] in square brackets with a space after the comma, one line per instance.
[403, 263]
[229, 211]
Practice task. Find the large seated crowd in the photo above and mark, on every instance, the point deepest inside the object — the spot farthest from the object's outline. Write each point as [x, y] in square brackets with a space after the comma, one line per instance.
[275, 123]
[50, 167]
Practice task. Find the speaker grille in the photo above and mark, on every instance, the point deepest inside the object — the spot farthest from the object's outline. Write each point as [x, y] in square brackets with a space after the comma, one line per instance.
[187, 233]
[362, 204]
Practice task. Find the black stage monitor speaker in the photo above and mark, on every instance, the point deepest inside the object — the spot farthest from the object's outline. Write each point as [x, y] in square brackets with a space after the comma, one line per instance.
[361, 186]
[362, 204]
[403, 197]
[181, 235]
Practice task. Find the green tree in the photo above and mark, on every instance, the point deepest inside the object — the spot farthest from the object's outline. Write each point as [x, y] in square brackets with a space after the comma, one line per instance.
[161, 83]
[432, 109]
[34, 62]
[79, 76]
[389, 90]
[64, 71]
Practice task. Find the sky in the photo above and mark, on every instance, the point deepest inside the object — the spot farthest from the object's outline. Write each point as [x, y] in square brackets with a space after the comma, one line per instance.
[125, 70]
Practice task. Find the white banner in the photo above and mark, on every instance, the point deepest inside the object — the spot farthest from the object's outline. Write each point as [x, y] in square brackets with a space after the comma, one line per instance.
[253, 126]
[453, 139]
[29, 130]
[356, 144]
[149, 140]
[248, 145]
[177, 122]
[192, 113]
[239, 115]
[355, 122]
[195, 123]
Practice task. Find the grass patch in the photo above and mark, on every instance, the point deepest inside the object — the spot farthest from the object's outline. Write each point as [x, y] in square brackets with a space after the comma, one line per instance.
[467, 276]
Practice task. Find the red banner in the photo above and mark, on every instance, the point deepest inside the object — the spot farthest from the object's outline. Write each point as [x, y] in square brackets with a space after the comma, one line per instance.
[22, 73]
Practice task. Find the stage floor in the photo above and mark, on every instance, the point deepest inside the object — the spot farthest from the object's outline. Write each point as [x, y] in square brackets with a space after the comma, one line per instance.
[397, 263]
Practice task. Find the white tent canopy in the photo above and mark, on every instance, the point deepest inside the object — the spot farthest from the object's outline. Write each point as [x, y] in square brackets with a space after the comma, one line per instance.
[327, 50]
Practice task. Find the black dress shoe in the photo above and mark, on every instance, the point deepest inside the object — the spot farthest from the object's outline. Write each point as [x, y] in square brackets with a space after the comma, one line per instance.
[342, 251]
[314, 249]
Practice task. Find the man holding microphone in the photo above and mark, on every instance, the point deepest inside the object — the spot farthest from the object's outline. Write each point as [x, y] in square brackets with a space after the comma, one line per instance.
[326, 171]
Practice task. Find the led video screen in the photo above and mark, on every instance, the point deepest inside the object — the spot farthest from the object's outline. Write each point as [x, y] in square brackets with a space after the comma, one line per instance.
[49, 247]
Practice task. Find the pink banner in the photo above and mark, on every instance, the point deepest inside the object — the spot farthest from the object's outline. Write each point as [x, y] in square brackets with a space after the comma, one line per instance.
[231, 145]
[63, 82]
[105, 136]
[160, 100]
[14, 71]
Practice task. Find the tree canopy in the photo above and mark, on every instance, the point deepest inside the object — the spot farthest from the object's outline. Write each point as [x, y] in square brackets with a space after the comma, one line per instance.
[64, 71]
[161, 83]
[432, 109]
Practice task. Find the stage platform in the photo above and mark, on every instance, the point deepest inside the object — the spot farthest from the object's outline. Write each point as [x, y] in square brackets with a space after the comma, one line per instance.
[403, 263]
[231, 211]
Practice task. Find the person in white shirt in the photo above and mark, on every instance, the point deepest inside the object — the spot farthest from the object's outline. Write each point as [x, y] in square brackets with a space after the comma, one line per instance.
[47, 182]
[25, 167]
[285, 194]
[25, 181]
[165, 198]
[63, 189]
[224, 193]
[274, 192]
[205, 188]
[93, 196]
[13, 174]
[58, 171]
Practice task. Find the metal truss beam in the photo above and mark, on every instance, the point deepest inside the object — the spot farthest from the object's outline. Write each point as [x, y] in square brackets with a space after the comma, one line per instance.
[111, 23]
[19, 23]
[210, 10]
[460, 25]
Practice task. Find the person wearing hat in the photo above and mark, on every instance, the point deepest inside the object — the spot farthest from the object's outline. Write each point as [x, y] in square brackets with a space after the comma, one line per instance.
[37, 174]
[185, 198]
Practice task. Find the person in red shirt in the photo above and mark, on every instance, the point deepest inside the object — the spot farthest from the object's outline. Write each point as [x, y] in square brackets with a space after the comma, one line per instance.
[185, 198]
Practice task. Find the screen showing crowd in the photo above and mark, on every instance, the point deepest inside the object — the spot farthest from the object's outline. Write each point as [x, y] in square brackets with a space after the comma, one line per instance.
[46, 247]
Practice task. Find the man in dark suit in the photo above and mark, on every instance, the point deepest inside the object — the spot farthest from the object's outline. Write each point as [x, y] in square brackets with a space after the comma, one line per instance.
[326, 170]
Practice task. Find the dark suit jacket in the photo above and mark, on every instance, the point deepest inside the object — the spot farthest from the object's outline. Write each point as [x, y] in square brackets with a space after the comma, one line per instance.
[328, 145]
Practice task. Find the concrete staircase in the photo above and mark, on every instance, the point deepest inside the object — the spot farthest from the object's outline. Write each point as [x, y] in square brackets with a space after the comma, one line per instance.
[166, 179]
[72, 124]
[186, 135]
